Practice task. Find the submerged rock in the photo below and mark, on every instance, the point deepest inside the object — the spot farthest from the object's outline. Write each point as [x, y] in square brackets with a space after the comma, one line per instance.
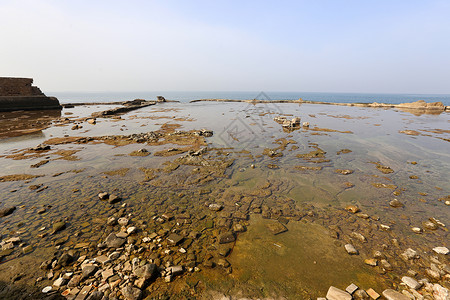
[390, 294]
[7, 211]
[131, 293]
[351, 249]
[337, 294]
[112, 241]
[396, 203]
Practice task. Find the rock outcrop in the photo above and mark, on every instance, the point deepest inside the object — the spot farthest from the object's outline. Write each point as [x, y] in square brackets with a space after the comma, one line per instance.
[20, 94]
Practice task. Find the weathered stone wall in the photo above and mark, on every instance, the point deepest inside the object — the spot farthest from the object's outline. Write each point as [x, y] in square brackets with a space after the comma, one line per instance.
[20, 94]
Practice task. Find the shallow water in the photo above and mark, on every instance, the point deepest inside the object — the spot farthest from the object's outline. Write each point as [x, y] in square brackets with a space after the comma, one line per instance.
[245, 132]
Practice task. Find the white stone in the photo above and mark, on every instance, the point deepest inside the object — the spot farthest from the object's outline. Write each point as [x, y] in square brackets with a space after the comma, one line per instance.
[350, 249]
[337, 294]
[351, 288]
[131, 230]
[46, 289]
[390, 294]
[440, 292]
[441, 250]
[417, 230]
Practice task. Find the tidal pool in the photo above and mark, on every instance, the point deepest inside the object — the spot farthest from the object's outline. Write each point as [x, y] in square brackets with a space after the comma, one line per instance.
[255, 171]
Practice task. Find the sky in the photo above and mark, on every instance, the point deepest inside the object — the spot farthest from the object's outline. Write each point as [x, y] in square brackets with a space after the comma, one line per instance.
[310, 46]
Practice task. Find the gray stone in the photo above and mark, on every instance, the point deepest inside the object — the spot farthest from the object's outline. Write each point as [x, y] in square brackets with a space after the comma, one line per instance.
[75, 281]
[96, 295]
[390, 294]
[88, 270]
[65, 259]
[176, 270]
[148, 272]
[131, 293]
[351, 288]
[112, 241]
[408, 254]
[113, 199]
[7, 211]
[174, 239]
[58, 226]
[337, 294]
[411, 282]
[227, 237]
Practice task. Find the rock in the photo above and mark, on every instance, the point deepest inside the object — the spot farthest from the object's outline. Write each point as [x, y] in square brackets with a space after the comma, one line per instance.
[276, 227]
[374, 295]
[103, 196]
[223, 263]
[92, 121]
[441, 250]
[390, 294]
[103, 259]
[386, 265]
[351, 288]
[58, 226]
[371, 262]
[430, 225]
[337, 294]
[408, 254]
[411, 282]
[123, 221]
[352, 208]
[112, 241]
[160, 99]
[238, 228]
[361, 294]
[59, 282]
[358, 236]
[215, 207]
[417, 230]
[351, 249]
[131, 293]
[107, 273]
[396, 203]
[74, 281]
[176, 270]
[7, 211]
[440, 292]
[65, 260]
[131, 230]
[434, 274]
[111, 221]
[96, 295]
[174, 239]
[113, 199]
[227, 237]
[88, 270]
[148, 272]
[46, 289]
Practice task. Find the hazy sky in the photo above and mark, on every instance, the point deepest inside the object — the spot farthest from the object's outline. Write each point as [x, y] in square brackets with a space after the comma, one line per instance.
[312, 46]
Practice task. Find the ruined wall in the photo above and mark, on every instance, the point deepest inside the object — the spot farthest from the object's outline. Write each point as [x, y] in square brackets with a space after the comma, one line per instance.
[20, 94]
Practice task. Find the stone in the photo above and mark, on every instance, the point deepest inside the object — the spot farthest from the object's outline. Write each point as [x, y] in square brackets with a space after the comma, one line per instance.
[371, 262]
[441, 250]
[215, 207]
[148, 272]
[417, 230]
[113, 199]
[276, 227]
[351, 288]
[103, 196]
[223, 263]
[395, 203]
[386, 265]
[174, 239]
[74, 281]
[411, 282]
[84, 292]
[358, 236]
[390, 294]
[176, 270]
[111, 221]
[238, 228]
[351, 249]
[95, 295]
[408, 254]
[46, 289]
[65, 259]
[88, 270]
[337, 294]
[361, 294]
[103, 259]
[107, 273]
[59, 282]
[123, 221]
[131, 230]
[58, 226]
[131, 293]
[429, 225]
[374, 295]
[7, 211]
[434, 274]
[112, 241]
[227, 237]
[440, 292]
[352, 208]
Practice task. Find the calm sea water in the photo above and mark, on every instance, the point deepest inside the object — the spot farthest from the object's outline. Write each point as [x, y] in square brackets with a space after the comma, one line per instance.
[72, 97]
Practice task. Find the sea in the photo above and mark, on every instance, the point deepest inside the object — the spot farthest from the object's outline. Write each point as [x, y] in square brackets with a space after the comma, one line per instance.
[186, 96]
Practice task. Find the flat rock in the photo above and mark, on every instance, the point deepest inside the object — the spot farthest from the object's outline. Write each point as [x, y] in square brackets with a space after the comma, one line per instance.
[441, 250]
[176, 270]
[131, 293]
[58, 226]
[408, 254]
[174, 239]
[351, 249]
[411, 282]
[112, 241]
[87, 271]
[276, 228]
[374, 295]
[227, 237]
[351, 288]
[337, 294]
[390, 294]
[149, 271]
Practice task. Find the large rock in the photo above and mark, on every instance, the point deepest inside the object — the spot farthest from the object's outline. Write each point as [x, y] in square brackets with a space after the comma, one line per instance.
[131, 293]
[411, 282]
[148, 272]
[337, 294]
[112, 241]
[7, 211]
[390, 294]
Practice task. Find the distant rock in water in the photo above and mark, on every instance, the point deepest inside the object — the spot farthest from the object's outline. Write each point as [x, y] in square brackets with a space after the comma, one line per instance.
[161, 99]
[20, 94]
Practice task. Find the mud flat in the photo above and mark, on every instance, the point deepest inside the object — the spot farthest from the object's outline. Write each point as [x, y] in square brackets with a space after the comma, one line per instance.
[227, 200]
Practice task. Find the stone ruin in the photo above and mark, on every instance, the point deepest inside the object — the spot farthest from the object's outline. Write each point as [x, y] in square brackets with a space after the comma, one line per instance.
[20, 94]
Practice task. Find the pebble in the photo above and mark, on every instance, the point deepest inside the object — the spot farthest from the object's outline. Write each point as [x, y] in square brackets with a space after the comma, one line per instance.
[408, 254]
[351, 288]
[395, 203]
[417, 230]
[103, 196]
[227, 237]
[215, 207]
[411, 282]
[371, 262]
[113, 199]
[359, 237]
[123, 221]
[374, 295]
[430, 225]
[46, 289]
[351, 249]
[131, 230]
[352, 208]
[59, 282]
